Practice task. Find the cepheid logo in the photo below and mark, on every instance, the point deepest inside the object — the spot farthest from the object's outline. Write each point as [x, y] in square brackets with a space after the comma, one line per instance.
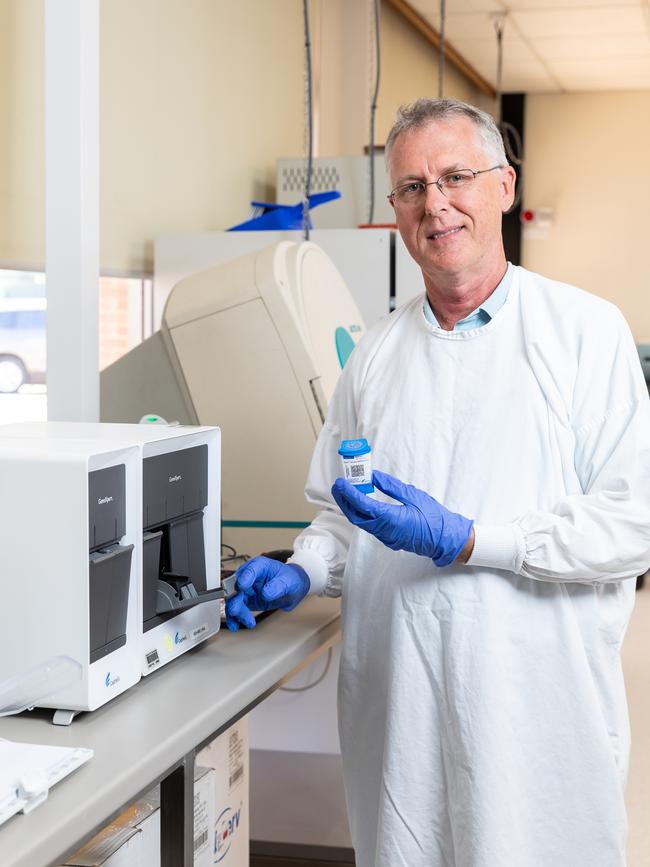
[110, 682]
[226, 825]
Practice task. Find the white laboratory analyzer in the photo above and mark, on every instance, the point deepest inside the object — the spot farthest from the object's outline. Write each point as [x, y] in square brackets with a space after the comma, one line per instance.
[255, 344]
[178, 555]
[70, 539]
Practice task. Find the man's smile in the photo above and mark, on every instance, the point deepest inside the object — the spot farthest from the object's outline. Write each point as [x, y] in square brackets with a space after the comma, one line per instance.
[444, 233]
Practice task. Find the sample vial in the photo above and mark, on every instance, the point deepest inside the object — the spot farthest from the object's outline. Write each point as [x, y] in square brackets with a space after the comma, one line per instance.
[357, 464]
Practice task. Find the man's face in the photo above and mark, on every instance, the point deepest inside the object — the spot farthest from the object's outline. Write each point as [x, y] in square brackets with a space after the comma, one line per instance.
[458, 234]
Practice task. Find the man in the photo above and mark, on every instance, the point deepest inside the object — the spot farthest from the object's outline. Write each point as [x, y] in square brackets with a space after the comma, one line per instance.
[482, 710]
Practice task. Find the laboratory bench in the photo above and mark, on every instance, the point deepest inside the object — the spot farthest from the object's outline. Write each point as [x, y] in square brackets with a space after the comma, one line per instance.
[150, 734]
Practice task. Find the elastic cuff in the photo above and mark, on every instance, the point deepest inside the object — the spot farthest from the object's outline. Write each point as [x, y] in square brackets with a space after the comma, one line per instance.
[498, 546]
[315, 566]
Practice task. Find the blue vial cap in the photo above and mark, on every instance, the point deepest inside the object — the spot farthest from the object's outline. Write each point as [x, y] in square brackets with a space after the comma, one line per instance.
[354, 448]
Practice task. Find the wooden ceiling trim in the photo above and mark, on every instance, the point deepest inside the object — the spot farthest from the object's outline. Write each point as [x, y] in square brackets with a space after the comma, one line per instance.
[451, 55]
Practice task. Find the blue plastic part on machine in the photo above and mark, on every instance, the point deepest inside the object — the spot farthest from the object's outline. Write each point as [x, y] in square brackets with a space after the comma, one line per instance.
[344, 344]
[278, 216]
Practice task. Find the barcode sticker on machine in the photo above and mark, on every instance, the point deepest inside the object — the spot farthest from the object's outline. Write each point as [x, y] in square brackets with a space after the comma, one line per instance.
[200, 840]
[236, 758]
[198, 631]
[236, 775]
[152, 659]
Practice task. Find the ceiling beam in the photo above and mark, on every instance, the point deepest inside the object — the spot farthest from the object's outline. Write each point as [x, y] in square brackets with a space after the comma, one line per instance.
[433, 36]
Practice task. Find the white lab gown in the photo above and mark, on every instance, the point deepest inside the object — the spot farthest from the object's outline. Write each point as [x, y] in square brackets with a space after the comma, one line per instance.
[482, 710]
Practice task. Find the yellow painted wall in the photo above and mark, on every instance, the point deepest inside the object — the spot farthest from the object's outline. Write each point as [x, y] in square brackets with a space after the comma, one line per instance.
[587, 158]
[199, 98]
[22, 143]
[410, 70]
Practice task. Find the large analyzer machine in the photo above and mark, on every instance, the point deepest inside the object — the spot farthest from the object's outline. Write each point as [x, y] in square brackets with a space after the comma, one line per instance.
[255, 345]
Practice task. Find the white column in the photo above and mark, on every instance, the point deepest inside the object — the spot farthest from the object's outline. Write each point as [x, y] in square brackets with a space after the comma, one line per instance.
[72, 208]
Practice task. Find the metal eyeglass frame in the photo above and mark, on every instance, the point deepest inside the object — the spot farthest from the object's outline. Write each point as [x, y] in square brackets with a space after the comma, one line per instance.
[425, 184]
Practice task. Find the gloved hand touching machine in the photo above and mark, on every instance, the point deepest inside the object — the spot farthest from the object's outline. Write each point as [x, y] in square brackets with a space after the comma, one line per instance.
[263, 585]
[420, 524]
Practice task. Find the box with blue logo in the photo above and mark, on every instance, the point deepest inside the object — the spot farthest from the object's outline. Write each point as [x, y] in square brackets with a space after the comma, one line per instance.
[133, 838]
[229, 756]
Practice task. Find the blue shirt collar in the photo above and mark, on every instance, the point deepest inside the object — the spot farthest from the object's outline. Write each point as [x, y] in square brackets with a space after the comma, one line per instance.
[484, 312]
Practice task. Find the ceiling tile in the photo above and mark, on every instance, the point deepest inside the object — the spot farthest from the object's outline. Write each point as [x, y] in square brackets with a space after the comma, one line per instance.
[514, 50]
[593, 81]
[580, 22]
[614, 67]
[545, 5]
[552, 45]
[596, 47]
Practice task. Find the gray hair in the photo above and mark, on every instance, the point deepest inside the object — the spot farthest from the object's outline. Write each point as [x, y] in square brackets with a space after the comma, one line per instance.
[425, 111]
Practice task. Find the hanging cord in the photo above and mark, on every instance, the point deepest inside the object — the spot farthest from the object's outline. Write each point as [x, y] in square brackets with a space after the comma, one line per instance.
[441, 48]
[511, 138]
[510, 134]
[373, 110]
[499, 22]
[314, 683]
[309, 122]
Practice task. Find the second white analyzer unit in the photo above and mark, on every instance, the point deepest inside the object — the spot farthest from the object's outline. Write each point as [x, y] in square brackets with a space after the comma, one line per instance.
[178, 551]
[70, 538]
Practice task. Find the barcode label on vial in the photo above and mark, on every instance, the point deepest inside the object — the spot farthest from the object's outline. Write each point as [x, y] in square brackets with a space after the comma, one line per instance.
[201, 840]
[153, 658]
[357, 471]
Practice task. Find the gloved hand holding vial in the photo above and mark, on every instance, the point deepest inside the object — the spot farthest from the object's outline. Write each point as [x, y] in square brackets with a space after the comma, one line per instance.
[420, 524]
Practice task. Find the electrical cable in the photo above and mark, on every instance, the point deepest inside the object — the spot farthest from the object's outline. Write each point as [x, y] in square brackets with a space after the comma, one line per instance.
[309, 121]
[499, 21]
[318, 680]
[512, 141]
[373, 111]
[234, 555]
[441, 48]
[511, 138]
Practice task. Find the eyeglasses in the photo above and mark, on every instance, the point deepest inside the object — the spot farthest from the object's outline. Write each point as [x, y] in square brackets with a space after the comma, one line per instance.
[414, 193]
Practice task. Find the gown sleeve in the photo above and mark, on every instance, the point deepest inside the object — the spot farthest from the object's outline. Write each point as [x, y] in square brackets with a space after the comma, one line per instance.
[603, 533]
[322, 548]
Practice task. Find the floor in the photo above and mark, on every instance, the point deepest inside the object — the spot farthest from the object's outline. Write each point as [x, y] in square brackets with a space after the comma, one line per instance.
[636, 663]
[266, 861]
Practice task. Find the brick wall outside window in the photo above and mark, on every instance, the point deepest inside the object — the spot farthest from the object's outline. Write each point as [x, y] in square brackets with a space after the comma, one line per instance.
[113, 319]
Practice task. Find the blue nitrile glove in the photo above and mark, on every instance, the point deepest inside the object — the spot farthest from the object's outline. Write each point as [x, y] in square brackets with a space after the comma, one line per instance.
[421, 525]
[263, 585]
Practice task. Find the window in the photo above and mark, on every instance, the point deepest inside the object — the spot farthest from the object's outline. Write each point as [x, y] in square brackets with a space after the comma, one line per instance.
[125, 319]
